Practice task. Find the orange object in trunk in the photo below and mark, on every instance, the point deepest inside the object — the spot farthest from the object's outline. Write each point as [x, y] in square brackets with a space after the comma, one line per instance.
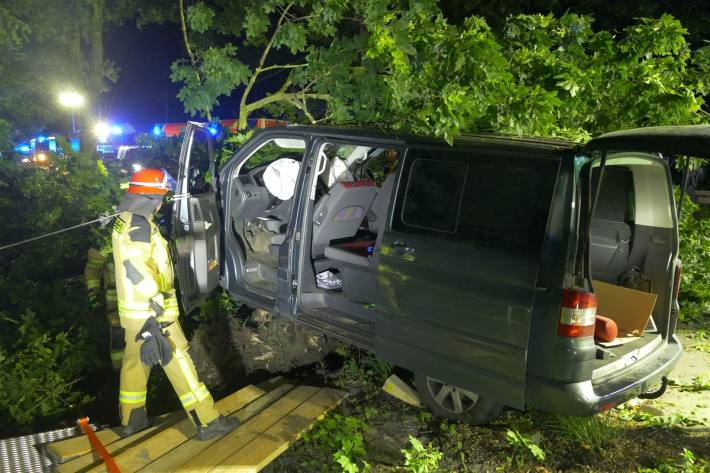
[605, 329]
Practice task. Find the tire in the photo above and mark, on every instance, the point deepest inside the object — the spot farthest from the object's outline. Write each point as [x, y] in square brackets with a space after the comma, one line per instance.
[451, 402]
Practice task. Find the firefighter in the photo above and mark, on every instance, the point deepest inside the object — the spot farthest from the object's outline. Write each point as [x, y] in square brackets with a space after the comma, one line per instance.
[100, 276]
[148, 312]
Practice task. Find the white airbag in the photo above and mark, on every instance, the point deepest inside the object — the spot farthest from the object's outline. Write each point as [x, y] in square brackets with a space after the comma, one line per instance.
[280, 177]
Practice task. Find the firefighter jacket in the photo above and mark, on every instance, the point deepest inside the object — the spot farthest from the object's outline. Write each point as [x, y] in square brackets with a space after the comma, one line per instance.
[144, 271]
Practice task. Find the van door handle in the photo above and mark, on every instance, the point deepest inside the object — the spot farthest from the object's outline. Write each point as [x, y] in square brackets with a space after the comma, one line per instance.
[400, 248]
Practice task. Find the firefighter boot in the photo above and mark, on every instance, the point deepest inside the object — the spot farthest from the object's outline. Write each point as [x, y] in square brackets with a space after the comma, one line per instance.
[218, 427]
[137, 421]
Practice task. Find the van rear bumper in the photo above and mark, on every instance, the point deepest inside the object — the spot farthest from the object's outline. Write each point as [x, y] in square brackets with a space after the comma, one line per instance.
[588, 398]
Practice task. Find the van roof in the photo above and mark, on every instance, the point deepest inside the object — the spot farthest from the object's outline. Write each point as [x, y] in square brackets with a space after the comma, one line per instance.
[489, 140]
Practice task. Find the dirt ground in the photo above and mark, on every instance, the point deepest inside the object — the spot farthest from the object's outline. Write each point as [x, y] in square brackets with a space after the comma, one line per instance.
[371, 429]
[682, 398]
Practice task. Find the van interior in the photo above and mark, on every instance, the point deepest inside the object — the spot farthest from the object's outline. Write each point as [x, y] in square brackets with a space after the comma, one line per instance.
[261, 208]
[631, 245]
[351, 193]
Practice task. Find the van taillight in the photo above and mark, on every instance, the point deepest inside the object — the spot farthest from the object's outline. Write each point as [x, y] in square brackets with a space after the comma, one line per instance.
[578, 314]
[676, 279]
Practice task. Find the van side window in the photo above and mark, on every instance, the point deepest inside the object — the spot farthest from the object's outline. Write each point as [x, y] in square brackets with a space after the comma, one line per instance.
[199, 177]
[496, 202]
[507, 202]
[433, 195]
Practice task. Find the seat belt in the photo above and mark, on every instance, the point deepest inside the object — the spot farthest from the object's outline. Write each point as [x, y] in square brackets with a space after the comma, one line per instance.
[98, 446]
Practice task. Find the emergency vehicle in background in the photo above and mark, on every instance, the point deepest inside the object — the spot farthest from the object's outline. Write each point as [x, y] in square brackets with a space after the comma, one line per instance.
[175, 129]
[118, 140]
[38, 149]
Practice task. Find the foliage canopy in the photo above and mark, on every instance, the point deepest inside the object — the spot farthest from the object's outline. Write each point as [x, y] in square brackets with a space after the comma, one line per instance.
[49, 338]
[403, 65]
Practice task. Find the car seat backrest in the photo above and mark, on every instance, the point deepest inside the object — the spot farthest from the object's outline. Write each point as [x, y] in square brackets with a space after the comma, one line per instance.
[335, 171]
[339, 213]
[378, 210]
[611, 229]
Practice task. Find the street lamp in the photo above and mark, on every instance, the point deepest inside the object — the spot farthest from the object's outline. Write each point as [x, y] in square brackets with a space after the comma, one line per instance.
[72, 100]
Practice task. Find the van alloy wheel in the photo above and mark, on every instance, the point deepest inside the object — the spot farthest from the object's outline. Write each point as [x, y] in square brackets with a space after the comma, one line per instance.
[449, 401]
[451, 398]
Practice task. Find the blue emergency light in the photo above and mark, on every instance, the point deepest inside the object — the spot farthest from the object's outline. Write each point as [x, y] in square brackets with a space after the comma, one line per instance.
[214, 129]
[157, 130]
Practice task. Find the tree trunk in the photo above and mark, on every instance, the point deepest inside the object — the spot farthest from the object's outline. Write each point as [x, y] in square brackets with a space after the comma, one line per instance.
[96, 74]
[96, 43]
[74, 53]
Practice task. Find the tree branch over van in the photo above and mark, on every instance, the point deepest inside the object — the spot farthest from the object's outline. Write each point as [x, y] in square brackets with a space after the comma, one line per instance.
[279, 28]
[404, 66]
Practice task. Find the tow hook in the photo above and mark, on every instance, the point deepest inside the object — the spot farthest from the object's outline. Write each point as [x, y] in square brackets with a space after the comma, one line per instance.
[656, 394]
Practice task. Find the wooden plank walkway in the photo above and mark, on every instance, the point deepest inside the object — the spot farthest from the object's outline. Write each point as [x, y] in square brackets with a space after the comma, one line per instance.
[271, 422]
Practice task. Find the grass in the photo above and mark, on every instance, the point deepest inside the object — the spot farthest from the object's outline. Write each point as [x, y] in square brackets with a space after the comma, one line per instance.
[371, 432]
[589, 432]
[699, 384]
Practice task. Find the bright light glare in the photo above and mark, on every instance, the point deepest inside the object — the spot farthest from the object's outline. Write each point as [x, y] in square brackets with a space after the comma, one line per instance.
[71, 99]
[116, 129]
[157, 130]
[41, 139]
[102, 131]
[40, 157]
[137, 167]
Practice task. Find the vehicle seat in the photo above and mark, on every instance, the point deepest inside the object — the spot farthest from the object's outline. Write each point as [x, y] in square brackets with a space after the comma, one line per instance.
[611, 231]
[336, 171]
[338, 214]
[378, 210]
[359, 272]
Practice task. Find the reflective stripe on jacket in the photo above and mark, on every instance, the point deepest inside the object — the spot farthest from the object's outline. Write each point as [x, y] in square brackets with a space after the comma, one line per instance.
[144, 271]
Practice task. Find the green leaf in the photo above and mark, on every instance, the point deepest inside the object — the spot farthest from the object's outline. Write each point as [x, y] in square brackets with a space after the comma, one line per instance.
[200, 17]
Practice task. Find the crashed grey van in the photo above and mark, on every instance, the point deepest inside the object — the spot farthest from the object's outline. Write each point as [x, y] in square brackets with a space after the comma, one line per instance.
[473, 265]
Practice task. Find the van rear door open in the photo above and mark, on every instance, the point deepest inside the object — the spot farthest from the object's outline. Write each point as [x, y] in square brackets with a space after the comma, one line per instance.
[647, 214]
[689, 140]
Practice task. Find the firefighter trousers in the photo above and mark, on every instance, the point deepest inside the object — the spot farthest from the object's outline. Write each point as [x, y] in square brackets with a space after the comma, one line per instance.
[194, 395]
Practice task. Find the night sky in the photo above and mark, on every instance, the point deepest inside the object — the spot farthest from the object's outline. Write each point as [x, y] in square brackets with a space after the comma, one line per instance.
[144, 94]
[144, 57]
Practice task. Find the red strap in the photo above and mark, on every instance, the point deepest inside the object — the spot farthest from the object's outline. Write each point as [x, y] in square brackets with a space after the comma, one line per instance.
[353, 184]
[98, 446]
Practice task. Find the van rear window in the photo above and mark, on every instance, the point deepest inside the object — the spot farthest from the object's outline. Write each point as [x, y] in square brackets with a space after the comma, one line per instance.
[496, 202]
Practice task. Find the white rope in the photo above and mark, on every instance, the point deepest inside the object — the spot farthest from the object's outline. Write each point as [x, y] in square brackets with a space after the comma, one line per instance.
[104, 219]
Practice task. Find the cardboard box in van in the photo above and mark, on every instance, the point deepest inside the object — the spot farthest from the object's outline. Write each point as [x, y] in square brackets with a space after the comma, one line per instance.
[629, 308]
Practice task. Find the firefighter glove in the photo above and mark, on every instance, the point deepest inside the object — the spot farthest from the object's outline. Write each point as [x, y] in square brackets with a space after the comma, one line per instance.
[156, 348]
